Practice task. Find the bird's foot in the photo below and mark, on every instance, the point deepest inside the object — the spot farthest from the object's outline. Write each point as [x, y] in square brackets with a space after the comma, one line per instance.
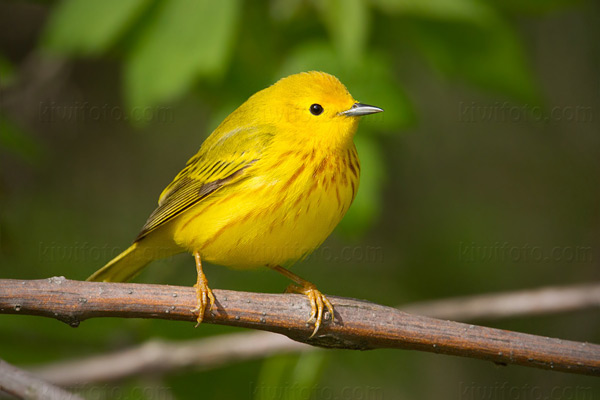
[204, 297]
[318, 302]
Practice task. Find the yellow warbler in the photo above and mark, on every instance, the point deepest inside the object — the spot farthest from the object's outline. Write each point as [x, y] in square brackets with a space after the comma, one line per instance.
[265, 189]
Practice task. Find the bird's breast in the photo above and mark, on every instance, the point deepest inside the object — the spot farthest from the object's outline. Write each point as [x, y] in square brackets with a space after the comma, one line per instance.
[281, 212]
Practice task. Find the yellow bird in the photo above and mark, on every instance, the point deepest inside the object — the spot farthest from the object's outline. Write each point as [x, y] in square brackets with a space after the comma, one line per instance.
[266, 188]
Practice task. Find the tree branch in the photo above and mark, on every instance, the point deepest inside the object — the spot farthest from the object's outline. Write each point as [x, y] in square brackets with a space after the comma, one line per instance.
[160, 356]
[23, 385]
[510, 304]
[358, 324]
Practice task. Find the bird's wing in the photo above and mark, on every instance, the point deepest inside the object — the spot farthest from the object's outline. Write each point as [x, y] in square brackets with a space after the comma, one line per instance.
[222, 161]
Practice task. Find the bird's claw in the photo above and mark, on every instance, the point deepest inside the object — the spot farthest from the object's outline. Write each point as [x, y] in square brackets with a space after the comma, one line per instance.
[204, 296]
[318, 302]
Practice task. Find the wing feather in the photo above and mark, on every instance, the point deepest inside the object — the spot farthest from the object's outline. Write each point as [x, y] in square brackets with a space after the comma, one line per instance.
[220, 162]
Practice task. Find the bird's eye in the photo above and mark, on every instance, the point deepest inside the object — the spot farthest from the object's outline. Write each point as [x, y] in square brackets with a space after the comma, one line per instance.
[316, 109]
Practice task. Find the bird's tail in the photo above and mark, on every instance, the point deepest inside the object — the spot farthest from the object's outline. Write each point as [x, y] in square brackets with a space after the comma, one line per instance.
[125, 266]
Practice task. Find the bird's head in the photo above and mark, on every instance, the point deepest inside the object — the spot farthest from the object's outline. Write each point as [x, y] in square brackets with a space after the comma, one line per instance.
[310, 106]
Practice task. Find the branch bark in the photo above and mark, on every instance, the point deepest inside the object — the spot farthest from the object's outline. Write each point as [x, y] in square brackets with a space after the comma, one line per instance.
[510, 304]
[24, 385]
[161, 356]
[358, 324]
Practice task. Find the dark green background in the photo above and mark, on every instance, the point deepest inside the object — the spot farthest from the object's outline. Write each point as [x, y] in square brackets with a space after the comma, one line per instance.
[482, 175]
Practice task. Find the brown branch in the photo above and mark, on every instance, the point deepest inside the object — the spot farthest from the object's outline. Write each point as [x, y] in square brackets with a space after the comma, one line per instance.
[160, 356]
[510, 304]
[24, 385]
[358, 324]
[164, 356]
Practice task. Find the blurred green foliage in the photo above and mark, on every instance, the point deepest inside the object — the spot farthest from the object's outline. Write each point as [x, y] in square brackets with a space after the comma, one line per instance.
[169, 46]
[102, 103]
[14, 140]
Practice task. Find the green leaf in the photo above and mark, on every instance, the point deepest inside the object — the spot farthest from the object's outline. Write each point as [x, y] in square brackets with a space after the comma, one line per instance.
[470, 10]
[374, 84]
[309, 56]
[536, 7]
[273, 376]
[284, 10]
[367, 205]
[290, 376]
[467, 39]
[491, 57]
[306, 375]
[183, 41]
[90, 27]
[348, 24]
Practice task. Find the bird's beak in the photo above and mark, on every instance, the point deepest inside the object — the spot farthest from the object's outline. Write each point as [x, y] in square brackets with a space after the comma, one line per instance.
[359, 109]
